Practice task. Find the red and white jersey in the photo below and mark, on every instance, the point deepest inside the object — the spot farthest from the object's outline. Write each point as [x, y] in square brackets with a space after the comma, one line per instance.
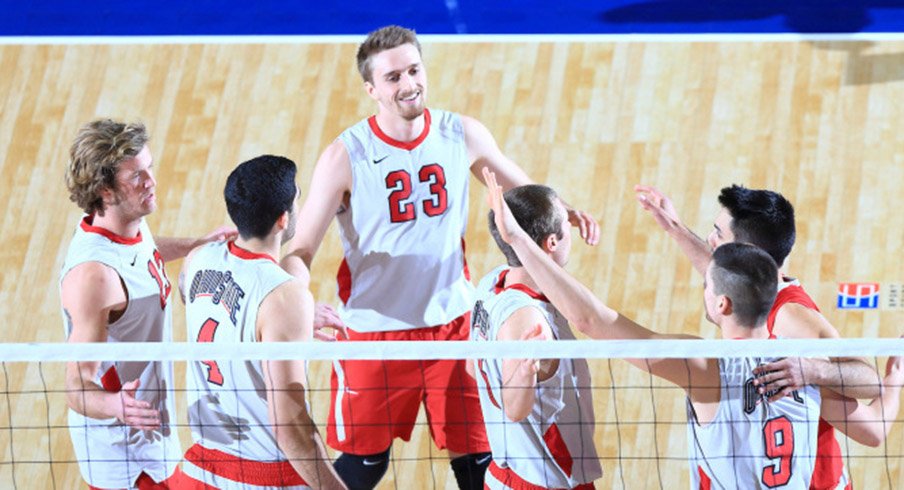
[110, 454]
[402, 234]
[227, 400]
[751, 442]
[829, 472]
[553, 447]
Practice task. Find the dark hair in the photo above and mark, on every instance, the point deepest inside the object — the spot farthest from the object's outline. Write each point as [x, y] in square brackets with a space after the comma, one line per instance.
[749, 277]
[258, 192]
[534, 209]
[381, 40]
[761, 217]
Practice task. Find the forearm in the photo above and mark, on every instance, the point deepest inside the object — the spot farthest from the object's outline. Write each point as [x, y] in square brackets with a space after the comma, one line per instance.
[853, 378]
[87, 398]
[694, 247]
[304, 448]
[172, 248]
[571, 298]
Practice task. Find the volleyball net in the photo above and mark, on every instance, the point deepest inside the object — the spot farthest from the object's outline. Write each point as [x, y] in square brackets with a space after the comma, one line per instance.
[639, 427]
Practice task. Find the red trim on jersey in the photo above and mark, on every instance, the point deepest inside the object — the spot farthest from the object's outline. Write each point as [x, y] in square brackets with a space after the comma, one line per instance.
[405, 145]
[88, 226]
[828, 469]
[789, 294]
[705, 482]
[500, 287]
[465, 260]
[110, 380]
[558, 449]
[486, 382]
[247, 254]
[145, 482]
[344, 281]
[511, 480]
[275, 474]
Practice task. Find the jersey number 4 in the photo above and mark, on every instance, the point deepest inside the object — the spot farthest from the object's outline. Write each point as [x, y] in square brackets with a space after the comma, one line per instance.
[206, 335]
[399, 182]
[778, 435]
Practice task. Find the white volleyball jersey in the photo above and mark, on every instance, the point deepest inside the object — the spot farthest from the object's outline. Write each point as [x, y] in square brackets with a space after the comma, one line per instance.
[553, 447]
[402, 234]
[751, 442]
[227, 400]
[110, 454]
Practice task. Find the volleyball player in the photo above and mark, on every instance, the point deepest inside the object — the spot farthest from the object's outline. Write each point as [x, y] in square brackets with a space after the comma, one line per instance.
[772, 441]
[538, 414]
[114, 288]
[397, 183]
[249, 420]
[766, 219]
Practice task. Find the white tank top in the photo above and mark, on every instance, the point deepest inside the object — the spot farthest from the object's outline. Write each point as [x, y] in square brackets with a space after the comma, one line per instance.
[404, 263]
[752, 443]
[553, 447]
[227, 400]
[111, 455]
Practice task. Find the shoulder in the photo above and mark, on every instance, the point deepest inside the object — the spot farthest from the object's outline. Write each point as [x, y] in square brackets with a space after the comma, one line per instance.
[91, 283]
[796, 320]
[520, 320]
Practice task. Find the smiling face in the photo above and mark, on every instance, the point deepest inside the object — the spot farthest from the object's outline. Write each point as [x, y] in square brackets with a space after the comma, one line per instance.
[399, 82]
[132, 196]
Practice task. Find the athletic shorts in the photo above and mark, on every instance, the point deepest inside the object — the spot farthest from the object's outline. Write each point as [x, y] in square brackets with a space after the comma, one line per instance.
[145, 482]
[211, 469]
[374, 402]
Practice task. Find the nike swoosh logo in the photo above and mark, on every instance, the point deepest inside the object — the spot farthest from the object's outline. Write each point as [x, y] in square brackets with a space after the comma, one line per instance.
[376, 161]
[133, 260]
[369, 462]
[484, 459]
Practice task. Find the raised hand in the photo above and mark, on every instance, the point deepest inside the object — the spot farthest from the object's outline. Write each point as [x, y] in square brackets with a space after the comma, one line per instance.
[589, 228]
[505, 221]
[659, 206]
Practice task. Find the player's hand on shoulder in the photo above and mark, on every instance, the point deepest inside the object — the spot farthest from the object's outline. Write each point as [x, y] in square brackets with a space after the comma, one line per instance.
[894, 372]
[328, 326]
[220, 234]
[782, 377]
[659, 206]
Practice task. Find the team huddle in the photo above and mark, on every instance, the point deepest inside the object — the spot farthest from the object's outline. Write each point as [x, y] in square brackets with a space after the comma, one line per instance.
[397, 184]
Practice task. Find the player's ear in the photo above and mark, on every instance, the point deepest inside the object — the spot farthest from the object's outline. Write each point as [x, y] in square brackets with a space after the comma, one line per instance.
[724, 305]
[370, 89]
[283, 221]
[551, 243]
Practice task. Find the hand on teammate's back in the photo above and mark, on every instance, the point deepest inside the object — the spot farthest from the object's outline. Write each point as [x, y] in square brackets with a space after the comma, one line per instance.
[133, 412]
[780, 378]
[327, 324]
[659, 206]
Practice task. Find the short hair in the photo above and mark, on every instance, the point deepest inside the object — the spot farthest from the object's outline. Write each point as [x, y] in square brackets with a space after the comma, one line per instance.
[535, 211]
[381, 40]
[258, 192]
[761, 217]
[749, 277]
[94, 157]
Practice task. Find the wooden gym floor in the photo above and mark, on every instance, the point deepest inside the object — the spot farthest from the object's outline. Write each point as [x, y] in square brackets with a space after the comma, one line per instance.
[817, 121]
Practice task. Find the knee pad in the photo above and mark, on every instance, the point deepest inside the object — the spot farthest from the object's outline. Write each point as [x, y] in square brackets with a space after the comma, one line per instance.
[470, 469]
[362, 472]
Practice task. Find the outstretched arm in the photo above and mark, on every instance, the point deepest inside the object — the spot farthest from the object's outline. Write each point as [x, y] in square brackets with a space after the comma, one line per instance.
[171, 248]
[867, 423]
[287, 315]
[848, 377]
[663, 211]
[331, 181]
[584, 310]
[484, 153]
[90, 293]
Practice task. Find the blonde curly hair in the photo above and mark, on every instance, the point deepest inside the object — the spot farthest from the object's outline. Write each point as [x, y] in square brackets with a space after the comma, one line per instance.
[94, 158]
